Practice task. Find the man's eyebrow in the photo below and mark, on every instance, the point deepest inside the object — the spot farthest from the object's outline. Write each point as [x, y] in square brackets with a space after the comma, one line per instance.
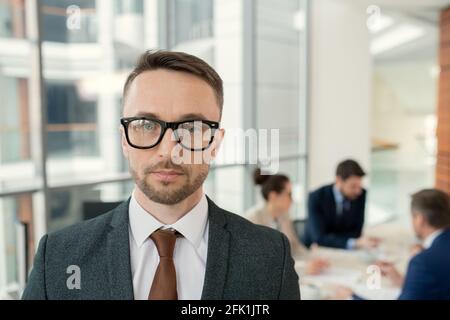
[188, 116]
[147, 114]
[192, 116]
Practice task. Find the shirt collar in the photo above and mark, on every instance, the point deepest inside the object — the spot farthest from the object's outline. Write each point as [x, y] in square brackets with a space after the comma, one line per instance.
[191, 225]
[430, 239]
[338, 197]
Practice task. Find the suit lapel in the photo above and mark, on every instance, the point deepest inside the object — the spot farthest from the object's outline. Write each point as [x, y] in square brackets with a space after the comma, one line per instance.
[118, 255]
[334, 217]
[218, 254]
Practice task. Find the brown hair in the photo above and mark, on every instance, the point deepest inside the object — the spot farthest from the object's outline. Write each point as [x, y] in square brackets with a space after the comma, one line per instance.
[349, 168]
[269, 183]
[434, 205]
[177, 61]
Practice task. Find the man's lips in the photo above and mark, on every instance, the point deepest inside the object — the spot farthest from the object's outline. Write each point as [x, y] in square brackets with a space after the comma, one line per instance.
[166, 175]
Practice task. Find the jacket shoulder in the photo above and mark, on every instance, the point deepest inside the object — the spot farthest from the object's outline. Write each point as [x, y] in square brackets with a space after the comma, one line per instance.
[323, 189]
[86, 233]
[436, 255]
[82, 229]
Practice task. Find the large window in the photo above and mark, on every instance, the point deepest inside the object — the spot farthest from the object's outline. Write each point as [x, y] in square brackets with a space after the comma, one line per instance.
[192, 20]
[21, 177]
[404, 110]
[12, 19]
[61, 102]
[16, 244]
[68, 204]
[129, 6]
[69, 21]
[88, 46]
[19, 160]
[259, 49]
[13, 140]
[72, 122]
[281, 94]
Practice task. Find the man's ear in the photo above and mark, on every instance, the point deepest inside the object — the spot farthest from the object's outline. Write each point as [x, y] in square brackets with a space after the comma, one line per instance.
[218, 138]
[421, 219]
[123, 142]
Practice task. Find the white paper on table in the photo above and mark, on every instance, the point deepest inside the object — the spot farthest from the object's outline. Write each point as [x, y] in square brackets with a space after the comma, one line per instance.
[335, 276]
[387, 293]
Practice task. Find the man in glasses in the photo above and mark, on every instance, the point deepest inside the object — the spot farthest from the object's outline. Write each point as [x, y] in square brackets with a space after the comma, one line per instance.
[168, 240]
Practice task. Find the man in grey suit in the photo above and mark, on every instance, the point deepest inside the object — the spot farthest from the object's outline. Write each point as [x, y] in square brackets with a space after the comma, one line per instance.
[168, 240]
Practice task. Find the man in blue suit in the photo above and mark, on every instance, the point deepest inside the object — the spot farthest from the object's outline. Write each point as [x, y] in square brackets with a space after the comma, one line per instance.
[336, 211]
[428, 274]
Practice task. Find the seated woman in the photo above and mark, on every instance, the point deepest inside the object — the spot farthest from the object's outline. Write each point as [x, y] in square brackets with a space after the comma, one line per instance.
[277, 193]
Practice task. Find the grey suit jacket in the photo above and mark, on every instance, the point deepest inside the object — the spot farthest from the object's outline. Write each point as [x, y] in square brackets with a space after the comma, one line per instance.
[244, 261]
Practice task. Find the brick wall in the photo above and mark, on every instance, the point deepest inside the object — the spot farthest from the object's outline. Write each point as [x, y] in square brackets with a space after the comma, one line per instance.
[443, 130]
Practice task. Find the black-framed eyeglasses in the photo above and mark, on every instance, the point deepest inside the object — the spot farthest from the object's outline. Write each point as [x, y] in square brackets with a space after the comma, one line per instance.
[146, 133]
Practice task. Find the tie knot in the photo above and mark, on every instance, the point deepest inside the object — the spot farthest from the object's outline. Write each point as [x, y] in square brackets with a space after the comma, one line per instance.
[165, 242]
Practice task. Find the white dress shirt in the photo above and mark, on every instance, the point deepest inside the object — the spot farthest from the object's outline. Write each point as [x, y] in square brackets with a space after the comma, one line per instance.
[189, 254]
[430, 239]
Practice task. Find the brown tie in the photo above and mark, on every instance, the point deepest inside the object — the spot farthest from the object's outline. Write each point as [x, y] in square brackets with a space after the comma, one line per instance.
[164, 286]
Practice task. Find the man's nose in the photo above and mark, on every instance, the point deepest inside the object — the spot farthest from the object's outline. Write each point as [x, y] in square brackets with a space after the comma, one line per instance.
[167, 144]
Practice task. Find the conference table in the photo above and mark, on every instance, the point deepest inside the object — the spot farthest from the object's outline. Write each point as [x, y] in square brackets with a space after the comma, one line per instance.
[356, 269]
